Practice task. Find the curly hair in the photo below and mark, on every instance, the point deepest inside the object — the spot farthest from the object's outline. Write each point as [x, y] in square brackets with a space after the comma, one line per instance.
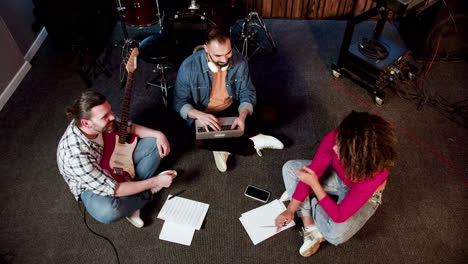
[366, 145]
[81, 107]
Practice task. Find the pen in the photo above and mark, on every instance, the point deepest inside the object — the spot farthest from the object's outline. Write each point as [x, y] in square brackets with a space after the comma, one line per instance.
[272, 226]
[176, 194]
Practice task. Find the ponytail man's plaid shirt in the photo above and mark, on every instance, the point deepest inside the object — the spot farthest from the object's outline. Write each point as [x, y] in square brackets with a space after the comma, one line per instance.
[78, 161]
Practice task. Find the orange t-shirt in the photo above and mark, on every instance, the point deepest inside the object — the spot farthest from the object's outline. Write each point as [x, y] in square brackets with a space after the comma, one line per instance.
[219, 97]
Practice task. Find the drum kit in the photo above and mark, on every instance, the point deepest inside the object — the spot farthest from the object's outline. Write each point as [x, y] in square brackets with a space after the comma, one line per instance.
[186, 28]
[139, 13]
[169, 40]
[182, 33]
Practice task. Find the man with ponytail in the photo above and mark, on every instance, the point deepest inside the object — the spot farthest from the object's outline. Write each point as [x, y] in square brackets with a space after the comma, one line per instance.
[80, 151]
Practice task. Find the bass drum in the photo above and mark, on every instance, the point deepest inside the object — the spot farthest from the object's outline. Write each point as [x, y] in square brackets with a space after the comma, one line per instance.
[140, 13]
[187, 31]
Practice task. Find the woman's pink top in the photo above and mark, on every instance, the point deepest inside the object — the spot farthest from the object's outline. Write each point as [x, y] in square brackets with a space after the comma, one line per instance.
[359, 193]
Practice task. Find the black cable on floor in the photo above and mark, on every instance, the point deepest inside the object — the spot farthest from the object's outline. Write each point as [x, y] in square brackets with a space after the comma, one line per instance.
[97, 234]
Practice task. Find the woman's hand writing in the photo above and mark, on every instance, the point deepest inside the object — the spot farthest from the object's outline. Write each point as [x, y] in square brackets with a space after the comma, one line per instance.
[283, 219]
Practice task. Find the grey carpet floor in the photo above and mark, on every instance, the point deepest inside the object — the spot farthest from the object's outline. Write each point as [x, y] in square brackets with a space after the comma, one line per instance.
[422, 218]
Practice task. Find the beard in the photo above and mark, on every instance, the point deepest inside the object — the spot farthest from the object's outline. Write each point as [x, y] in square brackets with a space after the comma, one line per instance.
[222, 64]
[110, 127]
[219, 63]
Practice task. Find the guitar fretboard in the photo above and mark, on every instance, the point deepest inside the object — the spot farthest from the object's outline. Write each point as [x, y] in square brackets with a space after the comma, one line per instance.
[125, 109]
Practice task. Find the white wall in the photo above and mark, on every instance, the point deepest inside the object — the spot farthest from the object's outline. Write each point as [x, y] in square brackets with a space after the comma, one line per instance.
[18, 16]
[18, 44]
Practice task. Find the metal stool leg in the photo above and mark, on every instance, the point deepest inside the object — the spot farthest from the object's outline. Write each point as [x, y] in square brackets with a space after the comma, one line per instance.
[162, 82]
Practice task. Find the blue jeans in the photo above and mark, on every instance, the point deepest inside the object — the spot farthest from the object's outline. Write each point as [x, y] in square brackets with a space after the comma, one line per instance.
[107, 209]
[334, 233]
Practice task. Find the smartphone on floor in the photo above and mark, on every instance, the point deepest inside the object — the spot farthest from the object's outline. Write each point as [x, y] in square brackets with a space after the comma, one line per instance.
[257, 193]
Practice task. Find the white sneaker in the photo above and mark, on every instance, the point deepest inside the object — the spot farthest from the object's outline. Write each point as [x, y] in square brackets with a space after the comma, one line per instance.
[221, 158]
[266, 142]
[135, 219]
[285, 197]
[312, 240]
[159, 188]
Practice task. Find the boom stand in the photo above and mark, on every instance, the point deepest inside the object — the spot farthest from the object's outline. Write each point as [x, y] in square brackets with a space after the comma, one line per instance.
[251, 26]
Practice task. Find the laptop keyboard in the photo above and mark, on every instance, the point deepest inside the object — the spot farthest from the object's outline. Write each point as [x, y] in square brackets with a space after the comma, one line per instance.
[223, 128]
[225, 124]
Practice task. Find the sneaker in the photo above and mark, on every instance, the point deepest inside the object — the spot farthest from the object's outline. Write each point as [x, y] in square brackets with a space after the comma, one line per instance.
[285, 197]
[135, 219]
[159, 188]
[312, 240]
[266, 142]
[221, 160]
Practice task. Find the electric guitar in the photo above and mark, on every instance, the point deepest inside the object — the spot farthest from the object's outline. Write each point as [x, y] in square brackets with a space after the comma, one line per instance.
[117, 157]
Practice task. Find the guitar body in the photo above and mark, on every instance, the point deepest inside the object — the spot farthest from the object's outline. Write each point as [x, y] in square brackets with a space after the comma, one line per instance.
[117, 158]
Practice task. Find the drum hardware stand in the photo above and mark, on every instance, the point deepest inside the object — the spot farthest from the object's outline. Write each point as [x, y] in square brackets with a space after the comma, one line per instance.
[193, 5]
[161, 17]
[160, 67]
[249, 33]
[126, 43]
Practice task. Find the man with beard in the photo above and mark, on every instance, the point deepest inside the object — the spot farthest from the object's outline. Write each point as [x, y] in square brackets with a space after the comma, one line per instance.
[215, 82]
[80, 151]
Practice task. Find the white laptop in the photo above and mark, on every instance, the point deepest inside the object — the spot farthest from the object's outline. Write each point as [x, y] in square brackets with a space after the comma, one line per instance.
[225, 132]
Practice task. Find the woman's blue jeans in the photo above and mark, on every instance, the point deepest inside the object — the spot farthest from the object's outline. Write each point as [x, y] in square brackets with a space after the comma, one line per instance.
[107, 209]
[335, 233]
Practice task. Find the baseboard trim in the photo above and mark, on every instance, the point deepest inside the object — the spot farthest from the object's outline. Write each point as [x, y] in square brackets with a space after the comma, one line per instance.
[14, 83]
[36, 45]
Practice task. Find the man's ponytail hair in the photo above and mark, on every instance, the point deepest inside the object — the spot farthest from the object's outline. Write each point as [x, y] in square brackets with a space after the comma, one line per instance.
[81, 107]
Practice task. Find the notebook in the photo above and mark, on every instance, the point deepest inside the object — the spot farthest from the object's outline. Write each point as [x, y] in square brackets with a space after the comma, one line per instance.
[181, 218]
[225, 132]
[260, 222]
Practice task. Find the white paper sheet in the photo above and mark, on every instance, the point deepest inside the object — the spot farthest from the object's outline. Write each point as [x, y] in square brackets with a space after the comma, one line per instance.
[177, 233]
[257, 222]
[184, 211]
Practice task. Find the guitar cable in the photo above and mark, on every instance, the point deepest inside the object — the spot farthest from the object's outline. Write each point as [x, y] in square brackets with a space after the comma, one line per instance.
[373, 49]
[97, 234]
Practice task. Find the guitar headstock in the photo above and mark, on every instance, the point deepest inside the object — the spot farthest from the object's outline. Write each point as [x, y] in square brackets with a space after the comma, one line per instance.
[132, 60]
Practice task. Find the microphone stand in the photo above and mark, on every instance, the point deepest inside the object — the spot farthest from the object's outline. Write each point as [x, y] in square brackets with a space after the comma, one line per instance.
[125, 44]
[249, 34]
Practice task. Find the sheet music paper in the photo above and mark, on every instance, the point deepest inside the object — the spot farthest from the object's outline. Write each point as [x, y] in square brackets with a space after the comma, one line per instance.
[177, 233]
[184, 212]
[255, 220]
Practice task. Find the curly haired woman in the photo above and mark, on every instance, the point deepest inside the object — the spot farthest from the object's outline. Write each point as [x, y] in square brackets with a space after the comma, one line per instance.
[351, 164]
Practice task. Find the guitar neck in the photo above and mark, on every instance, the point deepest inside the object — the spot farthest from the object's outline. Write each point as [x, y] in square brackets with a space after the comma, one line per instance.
[125, 108]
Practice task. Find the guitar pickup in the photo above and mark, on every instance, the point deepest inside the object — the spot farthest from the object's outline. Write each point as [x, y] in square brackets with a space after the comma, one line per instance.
[118, 171]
